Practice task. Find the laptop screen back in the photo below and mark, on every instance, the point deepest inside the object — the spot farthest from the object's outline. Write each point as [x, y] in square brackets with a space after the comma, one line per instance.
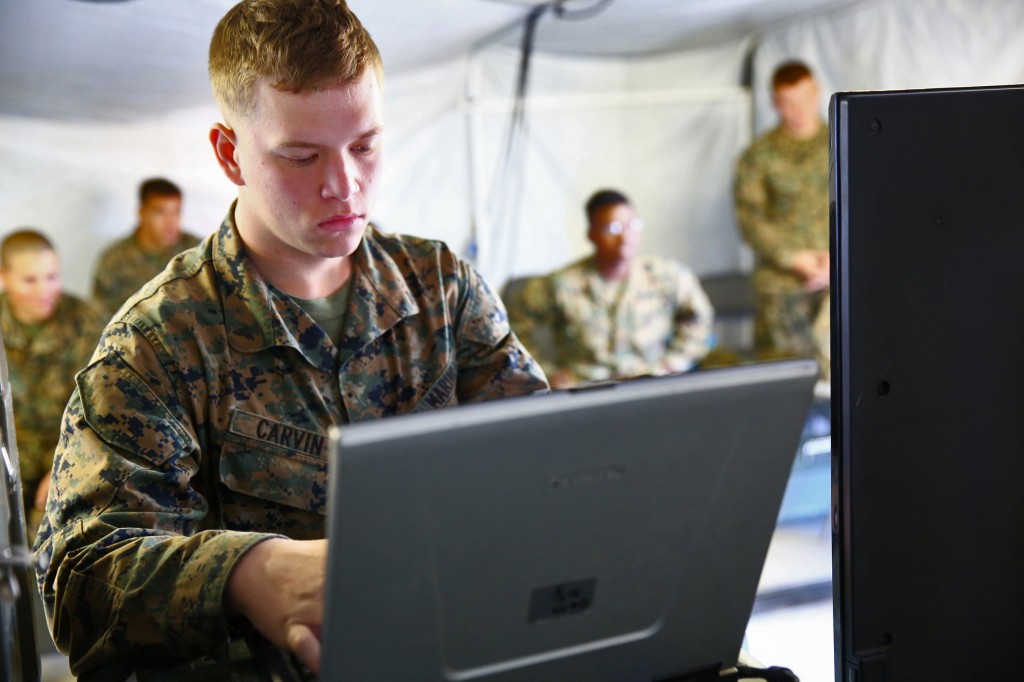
[609, 534]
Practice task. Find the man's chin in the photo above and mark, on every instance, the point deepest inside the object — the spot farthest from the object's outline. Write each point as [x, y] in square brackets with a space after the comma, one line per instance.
[343, 248]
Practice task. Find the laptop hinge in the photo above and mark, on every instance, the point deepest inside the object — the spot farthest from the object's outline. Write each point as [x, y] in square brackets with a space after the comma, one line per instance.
[740, 672]
[773, 674]
[710, 674]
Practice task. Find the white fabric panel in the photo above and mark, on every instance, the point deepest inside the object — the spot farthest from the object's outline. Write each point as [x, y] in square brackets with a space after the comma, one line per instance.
[670, 149]
[78, 182]
[665, 130]
[425, 181]
[107, 62]
[898, 44]
[646, 27]
[494, 69]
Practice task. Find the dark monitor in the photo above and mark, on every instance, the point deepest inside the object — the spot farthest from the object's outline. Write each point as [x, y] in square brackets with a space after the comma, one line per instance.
[928, 383]
[610, 534]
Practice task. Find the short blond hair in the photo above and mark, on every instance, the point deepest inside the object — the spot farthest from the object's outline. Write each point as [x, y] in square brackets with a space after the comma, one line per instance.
[299, 45]
[24, 240]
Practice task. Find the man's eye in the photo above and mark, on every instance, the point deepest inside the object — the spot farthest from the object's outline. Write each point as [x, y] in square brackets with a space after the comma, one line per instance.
[302, 160]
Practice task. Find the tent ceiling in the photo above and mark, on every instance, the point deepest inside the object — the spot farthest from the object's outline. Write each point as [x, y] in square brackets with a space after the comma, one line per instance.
[638, 27]
[66, 60]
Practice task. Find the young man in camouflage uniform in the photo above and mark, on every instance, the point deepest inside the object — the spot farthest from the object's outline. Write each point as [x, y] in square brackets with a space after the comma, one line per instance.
[48, 336]
[781, 196]
[129, 263]
[614, 314]
[190, 485]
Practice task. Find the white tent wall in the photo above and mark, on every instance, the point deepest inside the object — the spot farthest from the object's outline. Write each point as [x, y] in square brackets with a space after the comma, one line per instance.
[77, 181]
[424, 187]
[896, 45]
[666, 129]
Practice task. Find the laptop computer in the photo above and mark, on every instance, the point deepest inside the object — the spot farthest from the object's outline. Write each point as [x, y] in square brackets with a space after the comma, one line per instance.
[609, 534]
[928, 383]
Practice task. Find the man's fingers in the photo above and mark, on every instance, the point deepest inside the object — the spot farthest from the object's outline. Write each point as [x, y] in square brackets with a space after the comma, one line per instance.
[304, 643]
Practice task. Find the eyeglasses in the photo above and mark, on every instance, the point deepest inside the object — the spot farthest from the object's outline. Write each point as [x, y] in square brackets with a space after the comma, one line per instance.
[617, 227]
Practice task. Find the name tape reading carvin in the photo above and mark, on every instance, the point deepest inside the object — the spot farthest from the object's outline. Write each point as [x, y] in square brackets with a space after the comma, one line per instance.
[278, 434]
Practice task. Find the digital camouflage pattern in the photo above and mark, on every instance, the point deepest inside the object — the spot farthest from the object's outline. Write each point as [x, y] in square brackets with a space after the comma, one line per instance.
[782, 203]
[207, 407]
[42, 361]
[124, 267]
[782, 197]
[790, 325]
[658, 320]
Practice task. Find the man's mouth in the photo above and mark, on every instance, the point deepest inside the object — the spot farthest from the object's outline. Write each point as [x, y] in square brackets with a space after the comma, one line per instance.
[341, 221]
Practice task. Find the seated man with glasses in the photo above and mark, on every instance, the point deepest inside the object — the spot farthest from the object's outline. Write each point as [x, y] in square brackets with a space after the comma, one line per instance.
[614, 314]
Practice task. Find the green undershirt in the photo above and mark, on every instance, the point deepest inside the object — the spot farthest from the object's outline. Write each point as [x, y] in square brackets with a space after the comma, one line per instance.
[329, 312]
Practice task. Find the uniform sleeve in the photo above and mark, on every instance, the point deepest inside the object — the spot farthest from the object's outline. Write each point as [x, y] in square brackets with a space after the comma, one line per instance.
[534, 317]
[492, 362]
[694, 317]
[132, 570]
[753, 213]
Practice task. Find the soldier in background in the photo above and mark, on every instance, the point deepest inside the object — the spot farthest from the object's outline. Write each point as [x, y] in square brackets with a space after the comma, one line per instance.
[614, 314]
[189, 492]
[128, 263]
[781, 194]
[48, 336]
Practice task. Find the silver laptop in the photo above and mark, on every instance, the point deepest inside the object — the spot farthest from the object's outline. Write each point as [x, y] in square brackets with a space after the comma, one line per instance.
[610, 534]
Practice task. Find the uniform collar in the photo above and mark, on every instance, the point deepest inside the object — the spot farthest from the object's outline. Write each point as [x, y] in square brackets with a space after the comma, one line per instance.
[258, 316]
[814, 142]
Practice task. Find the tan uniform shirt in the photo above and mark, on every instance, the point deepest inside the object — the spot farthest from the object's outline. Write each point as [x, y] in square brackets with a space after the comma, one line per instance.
[124, 267]
[781, 196]
[42, 362]
[658, 320]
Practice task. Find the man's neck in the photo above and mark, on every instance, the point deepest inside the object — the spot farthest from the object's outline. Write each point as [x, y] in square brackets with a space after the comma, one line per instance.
[612, 269]
[148, 243]
[317, 279]
[27, 318]
[804, 133]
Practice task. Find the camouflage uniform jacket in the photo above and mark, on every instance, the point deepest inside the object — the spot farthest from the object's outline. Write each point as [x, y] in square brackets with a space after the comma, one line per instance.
[781, 196]
[124, 267]
[42, 367]
[206, 409]
[657, 321]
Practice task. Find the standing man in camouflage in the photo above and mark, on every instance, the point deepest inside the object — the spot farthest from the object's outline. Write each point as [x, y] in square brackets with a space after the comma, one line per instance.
[614, 314]
[782, 206]
[190, 485]
[129, 263]
[48, 336]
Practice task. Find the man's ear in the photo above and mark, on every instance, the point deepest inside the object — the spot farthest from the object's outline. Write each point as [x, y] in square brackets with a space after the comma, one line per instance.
[225, 145]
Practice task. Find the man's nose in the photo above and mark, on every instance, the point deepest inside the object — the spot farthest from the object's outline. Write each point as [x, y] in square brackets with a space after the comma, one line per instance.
[341, 181]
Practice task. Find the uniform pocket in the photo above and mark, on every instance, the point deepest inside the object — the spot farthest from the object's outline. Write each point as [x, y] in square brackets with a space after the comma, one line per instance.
[128, 415]
[268, 472]
[83, 623]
